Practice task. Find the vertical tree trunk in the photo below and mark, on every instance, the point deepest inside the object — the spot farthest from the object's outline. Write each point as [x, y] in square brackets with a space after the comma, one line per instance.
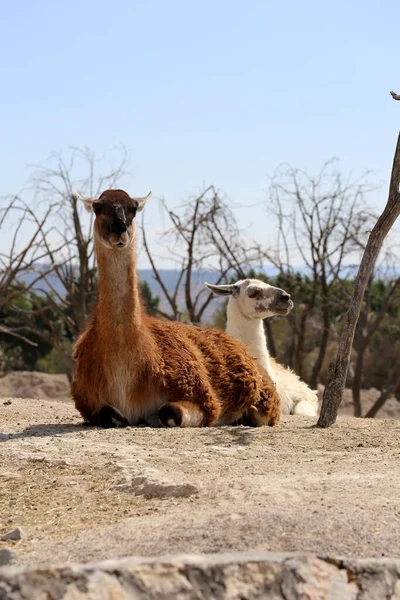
[326, 314]
[356, 387]
[298, 364]
[334, 390]
[289, 351]
[361, 347]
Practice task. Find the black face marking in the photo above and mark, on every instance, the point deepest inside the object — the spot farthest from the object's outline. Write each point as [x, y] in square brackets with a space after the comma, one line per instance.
[235, 290]
[118, 223]
[261, 293]
[119, 212]
[97, 207]
[124, 213]
[253, 292]
[282, 300]
[259, 307]
[271, 299]
[130, 214]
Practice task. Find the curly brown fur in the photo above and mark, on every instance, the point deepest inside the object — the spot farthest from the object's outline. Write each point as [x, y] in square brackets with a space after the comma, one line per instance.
[153, 371]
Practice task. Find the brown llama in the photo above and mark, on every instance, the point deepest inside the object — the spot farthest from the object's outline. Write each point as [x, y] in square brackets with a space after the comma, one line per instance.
[132, 368]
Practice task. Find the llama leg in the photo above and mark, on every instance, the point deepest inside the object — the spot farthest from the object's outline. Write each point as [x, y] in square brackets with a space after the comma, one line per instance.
[252, 418]
[266, 411]
[108, 417]
[194, 402]
[181, 414]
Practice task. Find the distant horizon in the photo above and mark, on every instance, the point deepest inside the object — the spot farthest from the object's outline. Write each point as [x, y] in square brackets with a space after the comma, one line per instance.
[170, 276]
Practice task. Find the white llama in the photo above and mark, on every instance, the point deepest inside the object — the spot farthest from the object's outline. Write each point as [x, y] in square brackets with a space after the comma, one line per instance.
[251, 301]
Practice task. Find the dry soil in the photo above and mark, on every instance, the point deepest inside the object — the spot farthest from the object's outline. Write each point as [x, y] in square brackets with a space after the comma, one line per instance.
[83, 494]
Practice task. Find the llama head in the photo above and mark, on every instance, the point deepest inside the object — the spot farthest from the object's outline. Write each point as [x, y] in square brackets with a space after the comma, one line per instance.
[255, 299]
[115, 212]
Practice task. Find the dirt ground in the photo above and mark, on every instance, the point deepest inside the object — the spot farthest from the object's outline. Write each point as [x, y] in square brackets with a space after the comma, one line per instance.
[83, 494]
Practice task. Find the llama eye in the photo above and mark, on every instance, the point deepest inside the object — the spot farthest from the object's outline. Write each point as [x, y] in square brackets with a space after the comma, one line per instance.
[252, 293]
[131, 211]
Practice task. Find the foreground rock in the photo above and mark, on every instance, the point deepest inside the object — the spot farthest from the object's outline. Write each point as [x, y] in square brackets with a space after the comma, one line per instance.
[83, 494]
[14, 535]
[227, 576]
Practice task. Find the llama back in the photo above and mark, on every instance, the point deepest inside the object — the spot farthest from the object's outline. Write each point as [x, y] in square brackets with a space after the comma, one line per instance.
[232, 372]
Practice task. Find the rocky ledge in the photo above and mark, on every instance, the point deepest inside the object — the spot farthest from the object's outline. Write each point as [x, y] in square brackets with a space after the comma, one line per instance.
[233, 576]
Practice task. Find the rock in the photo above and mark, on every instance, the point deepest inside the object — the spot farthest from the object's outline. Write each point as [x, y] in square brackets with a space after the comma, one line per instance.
[233, 576]
[151, 484]
[14, 535]
[7, 557]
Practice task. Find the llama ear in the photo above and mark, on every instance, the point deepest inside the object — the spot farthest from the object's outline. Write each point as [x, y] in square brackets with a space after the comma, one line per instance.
[140, 202]
[222, 290]
[88, 202]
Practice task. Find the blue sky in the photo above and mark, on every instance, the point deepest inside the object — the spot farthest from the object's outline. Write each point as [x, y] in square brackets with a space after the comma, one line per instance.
[201, 92]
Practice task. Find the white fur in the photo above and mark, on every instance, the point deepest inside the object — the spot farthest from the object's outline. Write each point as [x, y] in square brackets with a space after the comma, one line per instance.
[295, 396]
[250, 332]
[246, 324]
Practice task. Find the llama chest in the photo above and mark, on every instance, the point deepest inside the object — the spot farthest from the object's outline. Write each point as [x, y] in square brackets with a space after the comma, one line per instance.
[136, 401]
[120, 384]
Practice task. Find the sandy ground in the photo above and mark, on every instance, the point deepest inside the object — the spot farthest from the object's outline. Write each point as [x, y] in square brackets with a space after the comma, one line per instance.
[83, 494]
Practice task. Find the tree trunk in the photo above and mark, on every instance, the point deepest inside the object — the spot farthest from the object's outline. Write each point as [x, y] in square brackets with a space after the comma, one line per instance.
[298, 365]
[392, 390]
[360, 344]
[385, 395]
[325, 335]
[334, 390]
[356, 387]
[289, 351]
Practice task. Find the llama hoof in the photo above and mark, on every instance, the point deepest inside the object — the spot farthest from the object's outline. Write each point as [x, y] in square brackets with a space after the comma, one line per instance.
[108, 417]
[170, 415]
[252, 418]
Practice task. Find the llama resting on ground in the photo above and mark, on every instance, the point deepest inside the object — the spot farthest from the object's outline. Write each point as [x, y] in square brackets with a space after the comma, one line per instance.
[251, 301]
[132, 368]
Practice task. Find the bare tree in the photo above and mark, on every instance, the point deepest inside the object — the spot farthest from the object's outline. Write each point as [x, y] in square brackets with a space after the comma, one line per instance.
[393, 389]
[367, 327]
[203, 235]
[24, 255]
[334, 390]
[68, 280]
[322, 222]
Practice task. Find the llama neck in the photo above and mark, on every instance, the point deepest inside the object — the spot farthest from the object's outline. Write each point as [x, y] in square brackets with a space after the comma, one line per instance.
[251, 333]
[118, 295]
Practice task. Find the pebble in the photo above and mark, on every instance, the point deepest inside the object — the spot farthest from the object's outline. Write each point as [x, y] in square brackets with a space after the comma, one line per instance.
[14, 535]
